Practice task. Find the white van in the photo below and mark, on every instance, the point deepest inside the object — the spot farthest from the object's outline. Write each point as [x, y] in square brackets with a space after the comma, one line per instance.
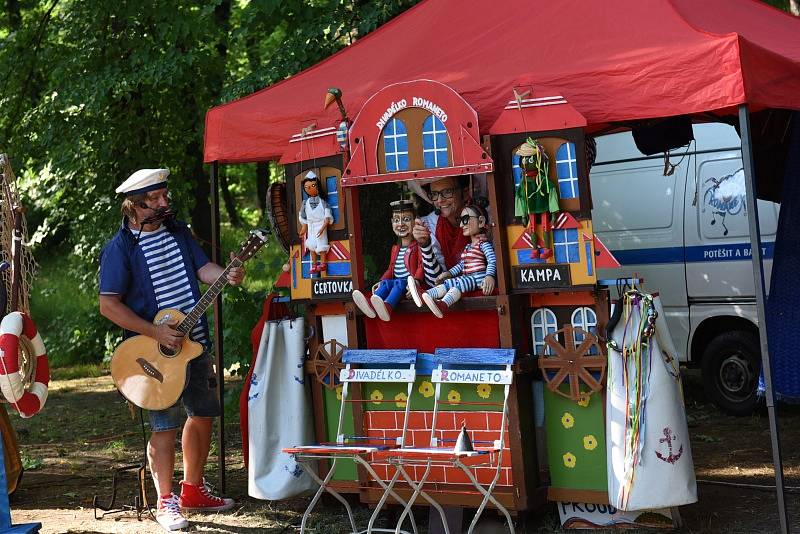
[686, 235]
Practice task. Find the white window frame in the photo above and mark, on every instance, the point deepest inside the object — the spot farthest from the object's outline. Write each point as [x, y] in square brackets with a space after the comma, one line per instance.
[436, 148]
[395, 136]
[545, 320]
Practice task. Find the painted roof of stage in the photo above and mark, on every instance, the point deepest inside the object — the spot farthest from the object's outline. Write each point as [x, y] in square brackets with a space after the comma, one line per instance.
[614, 61]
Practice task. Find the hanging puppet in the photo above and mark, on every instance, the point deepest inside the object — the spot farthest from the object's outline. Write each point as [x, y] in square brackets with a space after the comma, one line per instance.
[315, 217]
[477, 268]
[405, 262]
[536, 195]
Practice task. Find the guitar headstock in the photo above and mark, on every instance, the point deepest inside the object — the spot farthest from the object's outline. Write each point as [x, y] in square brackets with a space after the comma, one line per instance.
[251, 245]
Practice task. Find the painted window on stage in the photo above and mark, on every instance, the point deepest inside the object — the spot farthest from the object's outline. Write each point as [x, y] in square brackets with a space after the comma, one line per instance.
[434, 143]
[395, 146]
[516, 170]
[331, 186]
[586, 319]
[565, 243]
[567, 171]
[543, 322]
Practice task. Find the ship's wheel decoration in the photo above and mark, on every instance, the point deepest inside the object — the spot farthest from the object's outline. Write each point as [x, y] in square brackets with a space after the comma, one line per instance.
[327, 362]
[585, 368]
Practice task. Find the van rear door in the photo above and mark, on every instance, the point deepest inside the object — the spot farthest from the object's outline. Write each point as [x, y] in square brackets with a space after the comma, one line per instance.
[638, 214]
[719, 267]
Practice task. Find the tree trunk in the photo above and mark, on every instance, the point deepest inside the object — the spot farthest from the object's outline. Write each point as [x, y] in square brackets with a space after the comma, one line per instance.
[230, 205]
[262, 184]
[14, 15]
[201, 212]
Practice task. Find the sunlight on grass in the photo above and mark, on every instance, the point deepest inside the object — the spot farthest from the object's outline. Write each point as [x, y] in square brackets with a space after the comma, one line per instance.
[84, 370]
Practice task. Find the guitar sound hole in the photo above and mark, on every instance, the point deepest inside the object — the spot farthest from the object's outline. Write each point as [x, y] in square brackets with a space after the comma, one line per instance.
[166, 351]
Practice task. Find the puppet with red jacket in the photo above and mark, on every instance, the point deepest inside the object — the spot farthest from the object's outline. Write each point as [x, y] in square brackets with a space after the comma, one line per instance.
[405, 261]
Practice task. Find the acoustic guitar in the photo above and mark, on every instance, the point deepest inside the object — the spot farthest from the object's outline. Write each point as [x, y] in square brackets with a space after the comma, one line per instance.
[153, 376]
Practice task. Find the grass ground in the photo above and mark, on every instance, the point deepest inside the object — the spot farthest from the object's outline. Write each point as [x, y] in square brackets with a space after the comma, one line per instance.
[86, 430]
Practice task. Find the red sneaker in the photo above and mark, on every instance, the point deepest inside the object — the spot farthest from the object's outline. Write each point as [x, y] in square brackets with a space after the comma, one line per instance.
[200, 499]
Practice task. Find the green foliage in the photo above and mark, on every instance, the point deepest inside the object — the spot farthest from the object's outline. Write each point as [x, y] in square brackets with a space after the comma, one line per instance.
[95, 89]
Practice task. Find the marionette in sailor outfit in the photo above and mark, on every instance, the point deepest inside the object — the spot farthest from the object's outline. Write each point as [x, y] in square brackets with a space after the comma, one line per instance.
[405, 262]
[476, 270]
[315, 217]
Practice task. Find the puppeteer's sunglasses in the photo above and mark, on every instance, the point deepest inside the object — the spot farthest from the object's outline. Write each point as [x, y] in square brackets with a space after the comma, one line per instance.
[464, 220]
[444, 193]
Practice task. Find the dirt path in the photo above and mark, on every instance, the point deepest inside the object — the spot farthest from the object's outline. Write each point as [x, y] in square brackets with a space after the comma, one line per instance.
[85, 431]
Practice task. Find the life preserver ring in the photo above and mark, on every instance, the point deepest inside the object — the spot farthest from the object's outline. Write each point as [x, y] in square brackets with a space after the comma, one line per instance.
[28, 402]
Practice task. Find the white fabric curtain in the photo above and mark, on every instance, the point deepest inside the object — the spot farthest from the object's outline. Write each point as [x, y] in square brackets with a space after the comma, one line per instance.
[279, 413]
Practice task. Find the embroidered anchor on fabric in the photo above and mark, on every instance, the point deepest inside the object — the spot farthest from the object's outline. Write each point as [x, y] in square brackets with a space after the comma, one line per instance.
[668, 437]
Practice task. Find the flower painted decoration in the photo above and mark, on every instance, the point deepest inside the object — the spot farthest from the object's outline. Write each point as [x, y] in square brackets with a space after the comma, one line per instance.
[376, 396]
[454, 396]
[400, 400]
[426, 389]
[569, 460]
[567, 420]
[339, 392]
[584, 400]
[484, 390]
[589, 442]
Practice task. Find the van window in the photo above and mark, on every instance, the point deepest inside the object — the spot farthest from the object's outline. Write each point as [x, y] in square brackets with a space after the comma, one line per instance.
[635, 196]
[722, 211]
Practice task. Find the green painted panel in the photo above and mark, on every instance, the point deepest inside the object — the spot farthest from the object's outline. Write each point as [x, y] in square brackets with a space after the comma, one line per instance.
[345, 469]
[389, 396]
[576, 441]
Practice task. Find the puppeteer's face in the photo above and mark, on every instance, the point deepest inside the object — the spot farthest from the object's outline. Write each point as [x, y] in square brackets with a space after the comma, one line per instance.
[447, 197]
[310, 188]
[153, 200]
[402, 222]
[471, 223]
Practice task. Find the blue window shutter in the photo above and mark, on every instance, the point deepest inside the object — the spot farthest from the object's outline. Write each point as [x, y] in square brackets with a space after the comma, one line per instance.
[516, 170]
[434, 143]
[395, 146]
[567, 171]
[333, 196]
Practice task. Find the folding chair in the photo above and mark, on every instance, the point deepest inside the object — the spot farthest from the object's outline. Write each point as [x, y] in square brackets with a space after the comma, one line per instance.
[386, 366]
[470, 366]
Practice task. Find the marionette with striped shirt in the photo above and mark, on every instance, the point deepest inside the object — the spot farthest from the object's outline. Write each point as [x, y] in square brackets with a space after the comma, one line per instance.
[477, 268]
[405, 264]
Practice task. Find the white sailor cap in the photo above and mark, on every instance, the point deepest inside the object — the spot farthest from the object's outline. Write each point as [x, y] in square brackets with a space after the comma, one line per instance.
[144, 180]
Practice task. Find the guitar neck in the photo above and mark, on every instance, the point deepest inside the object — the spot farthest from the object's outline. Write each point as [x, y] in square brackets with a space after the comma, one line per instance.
[208, 297]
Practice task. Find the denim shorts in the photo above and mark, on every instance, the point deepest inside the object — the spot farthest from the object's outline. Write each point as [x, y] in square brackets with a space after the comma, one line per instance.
[199, 398]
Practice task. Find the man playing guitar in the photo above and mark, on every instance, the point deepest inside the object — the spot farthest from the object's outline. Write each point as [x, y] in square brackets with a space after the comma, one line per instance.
[153, 262]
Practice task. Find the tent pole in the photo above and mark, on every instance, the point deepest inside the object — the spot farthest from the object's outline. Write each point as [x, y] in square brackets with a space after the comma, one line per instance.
[215, 257]
[758, 276]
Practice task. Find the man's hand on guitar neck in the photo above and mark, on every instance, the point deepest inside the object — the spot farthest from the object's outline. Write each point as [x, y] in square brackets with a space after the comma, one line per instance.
[167, 336]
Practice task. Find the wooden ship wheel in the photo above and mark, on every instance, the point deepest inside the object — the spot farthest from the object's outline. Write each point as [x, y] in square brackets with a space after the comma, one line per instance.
[572, 362]
[277, 210]
[326, 362]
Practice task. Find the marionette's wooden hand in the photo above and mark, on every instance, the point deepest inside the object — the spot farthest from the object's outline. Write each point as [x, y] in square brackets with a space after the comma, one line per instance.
[444, 276]
[303, 230]
[488, 285]
[421, 233]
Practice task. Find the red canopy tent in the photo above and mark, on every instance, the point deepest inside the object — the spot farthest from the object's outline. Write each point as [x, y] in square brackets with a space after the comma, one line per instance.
[614, 61]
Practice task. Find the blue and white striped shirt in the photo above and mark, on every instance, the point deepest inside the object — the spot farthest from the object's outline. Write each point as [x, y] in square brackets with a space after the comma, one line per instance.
[168, 275]
[400, 271]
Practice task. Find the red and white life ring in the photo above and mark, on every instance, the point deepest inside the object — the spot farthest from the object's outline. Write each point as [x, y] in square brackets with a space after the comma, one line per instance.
[27, 402]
